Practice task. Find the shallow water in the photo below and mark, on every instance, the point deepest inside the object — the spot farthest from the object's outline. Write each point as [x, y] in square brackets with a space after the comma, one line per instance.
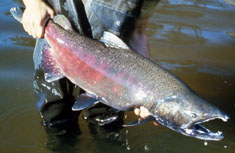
[190, 38]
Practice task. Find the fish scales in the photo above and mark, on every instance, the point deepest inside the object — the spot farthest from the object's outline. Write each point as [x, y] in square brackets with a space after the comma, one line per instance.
[119, 75]
[123, 79]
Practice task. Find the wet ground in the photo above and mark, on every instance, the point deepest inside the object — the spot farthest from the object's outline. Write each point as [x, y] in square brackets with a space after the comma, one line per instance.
[193, 39]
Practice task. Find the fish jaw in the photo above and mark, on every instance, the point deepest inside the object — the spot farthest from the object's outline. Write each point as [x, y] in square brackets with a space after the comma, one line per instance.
[195, 129]
[184, 113]
[199, 131]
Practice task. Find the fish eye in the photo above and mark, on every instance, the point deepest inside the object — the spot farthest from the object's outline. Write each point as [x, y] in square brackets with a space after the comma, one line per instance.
[193, 115]
[190, 113]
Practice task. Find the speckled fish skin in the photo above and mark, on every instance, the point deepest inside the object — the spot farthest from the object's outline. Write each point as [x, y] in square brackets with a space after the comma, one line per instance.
[124, 80]
[120, 77]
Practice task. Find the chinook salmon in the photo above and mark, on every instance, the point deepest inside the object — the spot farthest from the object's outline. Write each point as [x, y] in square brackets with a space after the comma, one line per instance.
[124, 80]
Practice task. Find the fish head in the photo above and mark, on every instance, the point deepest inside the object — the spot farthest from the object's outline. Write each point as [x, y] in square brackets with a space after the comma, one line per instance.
[184, 113]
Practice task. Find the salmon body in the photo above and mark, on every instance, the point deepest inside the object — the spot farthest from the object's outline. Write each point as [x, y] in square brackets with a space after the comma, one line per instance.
[119, 77]
[123, 79]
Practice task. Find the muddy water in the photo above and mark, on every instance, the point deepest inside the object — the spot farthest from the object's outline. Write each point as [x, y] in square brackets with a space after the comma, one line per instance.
[193, 39]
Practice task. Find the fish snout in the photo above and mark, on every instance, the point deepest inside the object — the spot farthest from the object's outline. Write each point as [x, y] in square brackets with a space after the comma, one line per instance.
[219, 115]
[225, 118]
[187, 112]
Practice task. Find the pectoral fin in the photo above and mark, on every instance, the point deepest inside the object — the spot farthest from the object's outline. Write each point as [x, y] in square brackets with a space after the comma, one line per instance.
[63, 22]
[139, 121]
[84, 101]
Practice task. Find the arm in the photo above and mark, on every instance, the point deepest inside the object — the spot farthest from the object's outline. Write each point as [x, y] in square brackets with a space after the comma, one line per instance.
[35, 16]
[137, 39]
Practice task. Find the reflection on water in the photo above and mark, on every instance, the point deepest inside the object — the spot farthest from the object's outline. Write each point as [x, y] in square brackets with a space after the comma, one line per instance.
[231, 2]
[22, 41]
[192, 38]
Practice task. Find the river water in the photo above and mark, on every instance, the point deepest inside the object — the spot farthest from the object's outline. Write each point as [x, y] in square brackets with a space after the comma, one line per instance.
[193, 39]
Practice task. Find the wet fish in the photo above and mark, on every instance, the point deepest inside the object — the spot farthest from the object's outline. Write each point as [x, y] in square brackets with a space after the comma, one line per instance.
[123, 79]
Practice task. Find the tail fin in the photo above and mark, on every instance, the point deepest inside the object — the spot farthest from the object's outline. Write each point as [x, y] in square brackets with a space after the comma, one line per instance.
[17, 13]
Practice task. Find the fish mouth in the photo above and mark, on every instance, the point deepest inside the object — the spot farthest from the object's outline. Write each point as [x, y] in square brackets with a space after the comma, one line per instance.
[201, 132]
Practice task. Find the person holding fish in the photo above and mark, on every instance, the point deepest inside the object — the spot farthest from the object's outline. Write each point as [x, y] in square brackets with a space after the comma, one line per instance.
[126, 19]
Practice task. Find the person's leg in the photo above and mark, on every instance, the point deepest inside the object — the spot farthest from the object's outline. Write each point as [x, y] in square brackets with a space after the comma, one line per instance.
[57, 109]
[136, 38]
[116, 16]
[101, 114]
[54, 100]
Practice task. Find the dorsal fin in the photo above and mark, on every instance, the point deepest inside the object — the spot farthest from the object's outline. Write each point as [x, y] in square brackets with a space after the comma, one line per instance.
[111, 40]
[63, 22]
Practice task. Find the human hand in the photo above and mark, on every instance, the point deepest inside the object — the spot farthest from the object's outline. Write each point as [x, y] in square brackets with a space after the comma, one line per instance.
[143, 113]
[35, 16]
